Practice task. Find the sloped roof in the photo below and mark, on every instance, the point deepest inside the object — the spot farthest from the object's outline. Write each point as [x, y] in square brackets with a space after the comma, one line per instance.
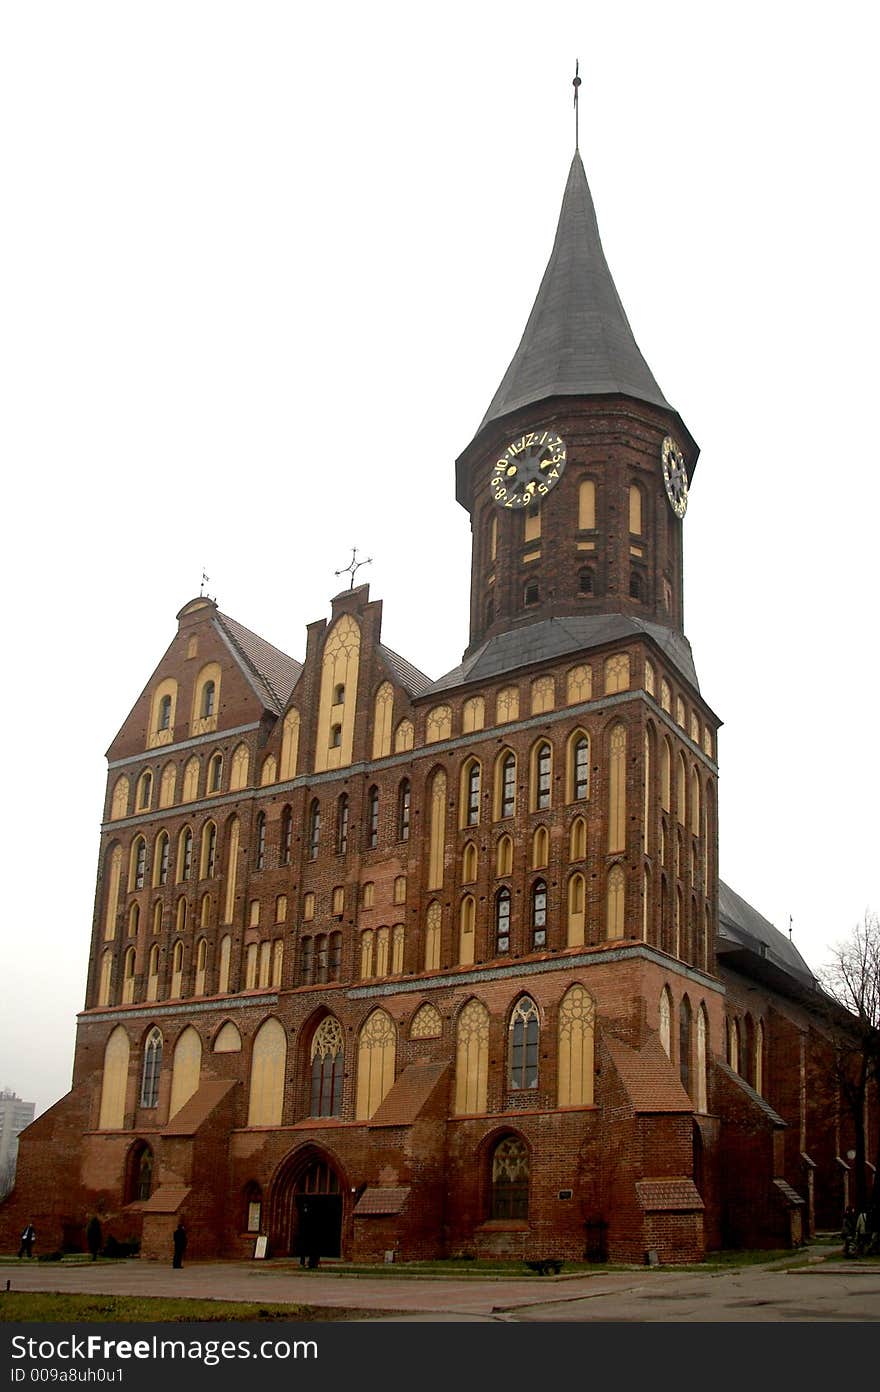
[408, 1095]
[791, 1196]
[409, 677]
[199, 1107]
[272, 672]
[759, 1101]
[650, 1079]
[376, 1202]
[742, 928]
[577, 341]
[668, 1195]
[166, 1199]
[546, 639]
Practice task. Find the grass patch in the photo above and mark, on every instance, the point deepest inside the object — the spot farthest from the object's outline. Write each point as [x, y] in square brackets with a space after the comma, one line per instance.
[55, 1308]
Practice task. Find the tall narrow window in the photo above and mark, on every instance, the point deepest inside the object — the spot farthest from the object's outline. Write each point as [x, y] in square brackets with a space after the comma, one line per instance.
[164, 722]
[314, 828]
[617, 790]
[184, 855]
[507, 800]
[403, 810]
[504, 856]
[286, 841]
[542, 776]
[334, 957]
[510, 1180]
[437, 834]
[576, 911]
[373, 818]
[523, 1045]
[377, 1044]
[138, 864]
[208, 698]
[152, 1069]
[616, 888]
[469, 862]
[472, 793]
[466, 934]
[327, 1059]
[209, 851]
[702, 1077]
[502, 921]
[161, 859]
[472, 1059]
[433, 920]
[579, 754]
[577, 1016]
[539, 914]
[666, 1021]
[215, 773]
[684, 1044]
[260, 849]
[144, 791]
[342, 824]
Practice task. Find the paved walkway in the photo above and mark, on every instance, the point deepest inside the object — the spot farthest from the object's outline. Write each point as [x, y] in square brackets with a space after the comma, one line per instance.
[831, 1291]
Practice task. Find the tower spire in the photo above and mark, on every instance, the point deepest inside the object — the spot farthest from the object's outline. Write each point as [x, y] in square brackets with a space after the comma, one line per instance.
[576, 82]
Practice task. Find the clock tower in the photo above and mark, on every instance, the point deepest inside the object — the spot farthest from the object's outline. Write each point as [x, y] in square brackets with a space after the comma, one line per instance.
[576, 480]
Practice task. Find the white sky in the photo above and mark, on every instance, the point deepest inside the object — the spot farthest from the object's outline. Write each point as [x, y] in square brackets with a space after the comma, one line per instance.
[262, 267]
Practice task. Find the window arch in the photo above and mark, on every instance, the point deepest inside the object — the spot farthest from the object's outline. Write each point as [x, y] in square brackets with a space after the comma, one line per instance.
[502, 921]
[238, 774]
[578, 685]
[105, 980]
[539, 915]
[524, 1034]
[700, 1100]
[469, 796]
[438, 725]
[268, 1067]
[383, 708]
[152, 1068]
[134, 918]
[577, 839]
[473, 715]
[433, 921]
[342, 819]
[128, 977]
[326, 1058]
[161, 859]
[507, 705]
[215, 773]
[404, 801]
[684, 1044]
[469, 863]
[471, 1059]
[466, 933]
[201, 966]
[119, 802]
[617, 673]
[504, 856]
[144, 794]
[617, 789]
[616, 892]
[268, 771]
[373, 818]
[177, 969]
[578, 767]
[505, 785]
[377, 1045]
[404, 737]
[368, 938]
[137, 864]
[114, 879]
[314, 829]
[577, 1015]
[509, 1194]
[426, 1023]
[576, 934]
[191, 780]
[540, 848]
[543, 695]
[153, 973]
[437, 834]
[185, 1069]
[167, 786]
[206, 698]
[289, 745]
[542, 776]
[666, 1021]
[208, 856]
[285, 837]
[225, 962]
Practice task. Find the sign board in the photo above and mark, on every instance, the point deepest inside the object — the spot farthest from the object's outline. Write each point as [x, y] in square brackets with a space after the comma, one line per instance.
[260, 1246]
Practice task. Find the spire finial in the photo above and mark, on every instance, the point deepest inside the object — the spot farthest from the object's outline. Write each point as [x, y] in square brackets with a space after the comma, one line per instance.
[576, 82]
[353, 566]
[205, 580]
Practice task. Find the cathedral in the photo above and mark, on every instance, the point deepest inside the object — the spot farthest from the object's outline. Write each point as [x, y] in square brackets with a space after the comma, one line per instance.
[387, 966]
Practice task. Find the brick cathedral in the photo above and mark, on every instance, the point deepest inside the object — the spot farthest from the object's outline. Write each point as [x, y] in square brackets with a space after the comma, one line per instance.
[382, 963]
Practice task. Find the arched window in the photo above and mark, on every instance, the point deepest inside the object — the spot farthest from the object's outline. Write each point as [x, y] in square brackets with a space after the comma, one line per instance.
[268, 1067]
[209, 693]
[578, 685]
[134, 918]
[540, 848]
[225, 960]
[238, 776]
[167, 786]
[215, 773]
[438, 725]
[161, 854]
[507, 705]
[684, 1044]
[342, 824]
[473, 716]
[437, 832]
[403, 810]
[539, 914]
[666, 776]
[286, 836]
[185, 1069]
[153, 973]
[260, 843]
[201, 966]
[504, 856]
[140, 1174]
[128, 977]
[471, 1059]
[314, 832]
[119, 805]
[616, 888]
[666, 1021]
[327, 1058]
[373, 818]
[470, 794]
[208, 861]
[502, 921]
[383, 709]
[404, 737]
[681, 790]
[543, 695]
[367, 943]
[397, 946]
[510, 1180]
[617, 789]
[377, 1044]
[578, 767]
[382, 946]
[177, 969]
[466, 935]
[505, 785]
[577, 1015]
[469, 861]
[433, 921]
[426, 1023]
[702, 1090]
[114, 877]
[576, 911]
[144, 792]
[268, 771]
[695, 802]
[577, 840]
[289, 745]
[137, 864]
[152, 1069]
[617, 673]
[523, 1040]
[114, 1081]
[733, 1044]
[542, 773]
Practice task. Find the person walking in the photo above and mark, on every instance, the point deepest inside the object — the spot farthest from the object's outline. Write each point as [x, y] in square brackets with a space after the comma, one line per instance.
[179, 1240]
[28, 1238]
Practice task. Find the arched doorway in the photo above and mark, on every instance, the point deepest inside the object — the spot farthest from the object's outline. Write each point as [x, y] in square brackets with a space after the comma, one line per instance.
[306, 1206]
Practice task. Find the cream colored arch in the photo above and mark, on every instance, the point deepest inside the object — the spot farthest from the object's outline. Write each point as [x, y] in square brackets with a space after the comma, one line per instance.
[238, 777]
[377, 1048]
[206, 700]
[587, 505]
[577, 839]
[383, 712]
[577, 894]
[268, 771]
[191, 780]
[433, 921]
[504, 856]
[543, 693]
[616, 891]
[186, 1069]
[471, 1059]
[438, 725]
[473, 716]
[106, 977]
[225, 959]
[617, 673]
[540, 848]
[163, 711]
[507, 705]
[437, 830]
[617, 789]
[426, 1023]
[404, 737]
[119, 801]
[577, 1020]
[234, 842]
[289, 745]
[466, 933]
[168, 785]
[268, 1067]
[339, 677]
[578, 685]
[114, 879]
[228, 1039]
[114, 1081]
[666, 1021]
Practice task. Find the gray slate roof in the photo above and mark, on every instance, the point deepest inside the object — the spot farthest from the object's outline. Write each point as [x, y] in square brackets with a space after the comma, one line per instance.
[273, 674]
[577, 341]
[740, 927]
[546, 639]
[409, 677]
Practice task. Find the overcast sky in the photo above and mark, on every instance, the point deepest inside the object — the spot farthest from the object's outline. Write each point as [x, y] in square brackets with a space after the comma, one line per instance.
[262, 268]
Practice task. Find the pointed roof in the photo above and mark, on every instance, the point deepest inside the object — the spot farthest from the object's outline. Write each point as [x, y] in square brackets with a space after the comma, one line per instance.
[577, 341]
[272, 672]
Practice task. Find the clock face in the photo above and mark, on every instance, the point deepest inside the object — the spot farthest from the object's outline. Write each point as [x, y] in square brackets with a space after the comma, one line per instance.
[675, 476]
[528, 469]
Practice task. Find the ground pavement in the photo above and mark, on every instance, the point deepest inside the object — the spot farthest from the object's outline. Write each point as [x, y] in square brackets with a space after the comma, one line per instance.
[837, 1290]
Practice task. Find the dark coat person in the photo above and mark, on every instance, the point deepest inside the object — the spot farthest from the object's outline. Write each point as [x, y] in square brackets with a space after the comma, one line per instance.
[179, 1240]
[28, 1238]
[94, 1236]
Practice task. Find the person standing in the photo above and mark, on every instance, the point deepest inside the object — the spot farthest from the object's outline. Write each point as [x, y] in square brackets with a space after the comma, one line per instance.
[93, 1236]
[28, 1238]
[179, 1240]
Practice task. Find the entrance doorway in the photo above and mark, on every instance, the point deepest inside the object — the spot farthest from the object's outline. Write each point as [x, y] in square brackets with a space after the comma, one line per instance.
[318, 1219]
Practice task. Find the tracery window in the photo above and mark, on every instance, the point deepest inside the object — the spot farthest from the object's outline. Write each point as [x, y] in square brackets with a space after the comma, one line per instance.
[152, 1069]
[579, 767]
[215, 773]
[539, 914]
[471, 791]
[502, 921]
[138, 864]
[510, 1180]
[524, 1037]
[577, 1015]
[472, 1059]
[327, 1057]
[507, 785]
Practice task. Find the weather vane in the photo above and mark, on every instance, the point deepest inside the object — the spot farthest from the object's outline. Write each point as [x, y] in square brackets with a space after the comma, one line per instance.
[353, 566]
[576, 82]
[205, 580]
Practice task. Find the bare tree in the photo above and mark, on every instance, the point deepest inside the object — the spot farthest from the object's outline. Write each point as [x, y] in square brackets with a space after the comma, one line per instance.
[852, 980]
[7, 1176]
